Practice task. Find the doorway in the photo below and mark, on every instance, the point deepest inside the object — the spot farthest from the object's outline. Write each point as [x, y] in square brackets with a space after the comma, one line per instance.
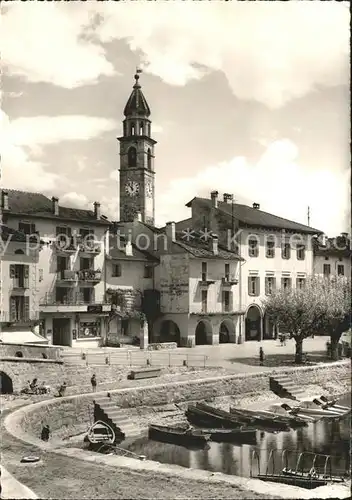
[62, 331]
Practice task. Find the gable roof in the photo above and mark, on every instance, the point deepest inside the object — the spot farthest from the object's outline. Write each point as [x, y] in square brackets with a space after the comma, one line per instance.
[38, 205]
[257, 218]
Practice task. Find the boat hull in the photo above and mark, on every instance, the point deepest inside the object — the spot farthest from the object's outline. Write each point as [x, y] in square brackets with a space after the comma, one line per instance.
[99, 433]
[260, 421]
[183, 438]
[293, 480]
[203, 419]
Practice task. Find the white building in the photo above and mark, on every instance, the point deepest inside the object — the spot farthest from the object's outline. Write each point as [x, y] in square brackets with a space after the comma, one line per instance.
[70, 287]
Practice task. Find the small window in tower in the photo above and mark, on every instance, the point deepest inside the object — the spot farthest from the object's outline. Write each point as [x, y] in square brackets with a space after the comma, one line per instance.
[149, 159]
[132, 157]
[133, 129]
[141, 129]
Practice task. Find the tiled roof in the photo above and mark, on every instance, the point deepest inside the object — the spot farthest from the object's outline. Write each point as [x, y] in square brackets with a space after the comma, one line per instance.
[257, 218]
[117, 251]
[199, 248]
[196, 246]
[38, 205]
[340, 246]
[15, 236]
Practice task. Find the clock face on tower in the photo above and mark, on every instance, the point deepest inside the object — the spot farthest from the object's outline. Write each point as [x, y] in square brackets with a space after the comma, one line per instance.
[132, 188]
[149, 188]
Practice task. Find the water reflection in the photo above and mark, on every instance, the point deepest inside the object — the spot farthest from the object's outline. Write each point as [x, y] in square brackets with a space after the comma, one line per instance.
[325, 437]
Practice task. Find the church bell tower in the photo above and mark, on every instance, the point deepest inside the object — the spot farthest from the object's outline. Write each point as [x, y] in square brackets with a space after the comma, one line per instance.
[137, 176]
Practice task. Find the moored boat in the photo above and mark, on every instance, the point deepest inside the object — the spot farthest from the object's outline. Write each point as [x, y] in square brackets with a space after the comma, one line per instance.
[332, 404]
[244, 435]
[315, 412]
[300, 481]
[101, 432]
[202, 418]
[290, 420]
[299, 414]
[260, 420]
[313, 475]
[316, 403]
[183, 435]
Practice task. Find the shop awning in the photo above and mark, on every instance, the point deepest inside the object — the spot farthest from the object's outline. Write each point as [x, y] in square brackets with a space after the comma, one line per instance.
[21, 337]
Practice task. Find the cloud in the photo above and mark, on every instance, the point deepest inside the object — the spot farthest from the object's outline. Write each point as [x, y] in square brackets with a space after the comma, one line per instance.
[76, 200]
[276, 181]
[271, 52]
[22, 142]
[109, 205]
[44, 42]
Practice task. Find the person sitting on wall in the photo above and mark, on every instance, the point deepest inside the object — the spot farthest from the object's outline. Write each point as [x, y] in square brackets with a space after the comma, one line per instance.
[34, 385]
[44, 389]
[62, 390]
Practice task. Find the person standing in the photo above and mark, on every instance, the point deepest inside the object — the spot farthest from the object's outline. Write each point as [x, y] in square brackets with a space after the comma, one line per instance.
[45, 434]
[261, 356]
[93, 381]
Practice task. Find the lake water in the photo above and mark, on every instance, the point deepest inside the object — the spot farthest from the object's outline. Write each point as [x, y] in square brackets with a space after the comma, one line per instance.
[323, 437]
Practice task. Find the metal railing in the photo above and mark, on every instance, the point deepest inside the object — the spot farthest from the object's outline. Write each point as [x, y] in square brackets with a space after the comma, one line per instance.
[89, 275]
[50, 299]
[135, 358]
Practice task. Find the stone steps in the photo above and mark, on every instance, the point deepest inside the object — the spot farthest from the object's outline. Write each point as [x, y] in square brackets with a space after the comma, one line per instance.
[283, 386]
[119, 419]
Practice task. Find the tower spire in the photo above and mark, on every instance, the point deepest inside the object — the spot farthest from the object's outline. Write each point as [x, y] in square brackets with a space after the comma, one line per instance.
[137, 104]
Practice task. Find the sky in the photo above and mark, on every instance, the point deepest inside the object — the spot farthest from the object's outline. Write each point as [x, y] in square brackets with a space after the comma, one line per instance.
[250, 98]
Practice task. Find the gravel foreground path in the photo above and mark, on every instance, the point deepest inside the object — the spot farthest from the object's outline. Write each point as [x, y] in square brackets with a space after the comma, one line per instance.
[60, 477]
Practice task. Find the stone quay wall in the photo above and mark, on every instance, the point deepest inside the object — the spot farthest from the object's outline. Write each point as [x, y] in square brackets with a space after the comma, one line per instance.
[29, 351]
[69, 413]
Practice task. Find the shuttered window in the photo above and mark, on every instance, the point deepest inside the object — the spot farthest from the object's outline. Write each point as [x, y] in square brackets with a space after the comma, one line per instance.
[253, 285]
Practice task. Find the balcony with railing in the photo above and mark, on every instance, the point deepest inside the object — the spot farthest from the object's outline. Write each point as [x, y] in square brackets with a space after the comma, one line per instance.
[66, 276]
[90, 246]
[229, 280]
[205, 280]
[89, 275]
[65, 244]
[70, 303]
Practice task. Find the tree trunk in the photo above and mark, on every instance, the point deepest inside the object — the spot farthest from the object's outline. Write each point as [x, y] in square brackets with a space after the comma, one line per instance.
[299, 351]
[334, 343]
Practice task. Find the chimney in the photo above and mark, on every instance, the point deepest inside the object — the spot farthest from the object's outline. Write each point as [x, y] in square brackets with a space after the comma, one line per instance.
[138, 217]
[5, 200]
[97, 212]
[214, 199]
[228, 198]
[256, 206]
[215, 241]
[55, 205]
[171, 231]
[129, 248]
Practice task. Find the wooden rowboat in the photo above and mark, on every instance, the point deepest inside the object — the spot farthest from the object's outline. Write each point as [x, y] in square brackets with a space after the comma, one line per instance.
[262, 421]
[332, 404]
[201, 418]
[315, 412]
[243, 435]
[313, 475]
[183, 435]
[101, 432]
[299, 414]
